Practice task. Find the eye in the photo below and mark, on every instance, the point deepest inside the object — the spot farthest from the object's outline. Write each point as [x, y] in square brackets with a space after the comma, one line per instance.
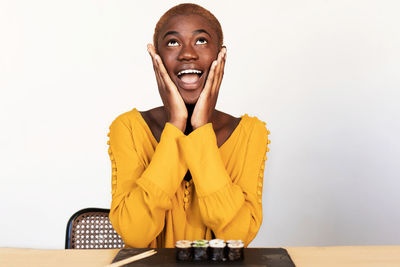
[201, 41]
[172, 43]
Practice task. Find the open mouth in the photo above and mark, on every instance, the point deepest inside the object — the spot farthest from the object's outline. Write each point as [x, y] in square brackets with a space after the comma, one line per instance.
[190, 76]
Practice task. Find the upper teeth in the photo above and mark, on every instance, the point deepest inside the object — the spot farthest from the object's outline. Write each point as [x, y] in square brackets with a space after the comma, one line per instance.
[189, 71]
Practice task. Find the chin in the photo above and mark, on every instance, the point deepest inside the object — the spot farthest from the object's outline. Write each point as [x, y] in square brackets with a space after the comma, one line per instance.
[190, 98]
[190, 101]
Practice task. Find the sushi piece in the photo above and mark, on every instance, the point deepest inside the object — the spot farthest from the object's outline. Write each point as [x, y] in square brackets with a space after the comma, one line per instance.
[217, 250]
[183, 250]
[200, 250]
[235, 250]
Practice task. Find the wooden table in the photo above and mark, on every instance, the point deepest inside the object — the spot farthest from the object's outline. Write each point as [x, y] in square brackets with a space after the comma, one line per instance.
[365, 256]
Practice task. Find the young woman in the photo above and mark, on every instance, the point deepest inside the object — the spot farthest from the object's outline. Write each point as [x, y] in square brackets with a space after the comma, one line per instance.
[186, 170]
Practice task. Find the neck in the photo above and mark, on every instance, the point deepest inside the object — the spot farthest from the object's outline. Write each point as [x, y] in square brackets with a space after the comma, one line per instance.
[190, 108]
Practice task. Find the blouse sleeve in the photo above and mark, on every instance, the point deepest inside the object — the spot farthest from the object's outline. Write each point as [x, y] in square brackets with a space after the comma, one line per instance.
[141, 194]
[230, 206]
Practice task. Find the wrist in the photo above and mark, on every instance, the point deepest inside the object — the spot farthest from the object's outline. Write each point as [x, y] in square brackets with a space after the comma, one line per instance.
[181, 125]
[196, 125]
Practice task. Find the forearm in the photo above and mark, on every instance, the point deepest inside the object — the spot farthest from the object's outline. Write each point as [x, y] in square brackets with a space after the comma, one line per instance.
[230, 204]
[232, 213]
[141, 192]
[213, 185]
[138, 216]
[236, 221]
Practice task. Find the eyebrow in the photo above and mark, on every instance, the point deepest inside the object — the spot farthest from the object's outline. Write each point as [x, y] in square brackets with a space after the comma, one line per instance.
[201, 31]
[194, 32]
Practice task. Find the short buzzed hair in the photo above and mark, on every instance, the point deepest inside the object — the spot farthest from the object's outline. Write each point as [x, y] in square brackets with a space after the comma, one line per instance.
[189, 9]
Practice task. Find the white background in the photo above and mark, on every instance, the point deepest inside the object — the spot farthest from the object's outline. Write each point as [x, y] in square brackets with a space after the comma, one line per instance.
[324, 75]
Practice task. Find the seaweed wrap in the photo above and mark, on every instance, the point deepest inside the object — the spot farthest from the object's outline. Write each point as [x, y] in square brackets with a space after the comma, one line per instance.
[183, 250]
[217, 250]
[200, 250]
[235, 250]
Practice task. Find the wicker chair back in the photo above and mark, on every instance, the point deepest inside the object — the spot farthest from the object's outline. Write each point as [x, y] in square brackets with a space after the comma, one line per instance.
[91, 229]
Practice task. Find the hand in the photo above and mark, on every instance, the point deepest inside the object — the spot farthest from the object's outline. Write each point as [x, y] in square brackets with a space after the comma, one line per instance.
[205, 105]
[173, 102]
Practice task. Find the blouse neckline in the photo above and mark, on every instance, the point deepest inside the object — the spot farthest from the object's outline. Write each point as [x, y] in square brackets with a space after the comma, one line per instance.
[232, 136]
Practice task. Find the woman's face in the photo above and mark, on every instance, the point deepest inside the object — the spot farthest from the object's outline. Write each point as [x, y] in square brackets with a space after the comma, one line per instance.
[188, 45]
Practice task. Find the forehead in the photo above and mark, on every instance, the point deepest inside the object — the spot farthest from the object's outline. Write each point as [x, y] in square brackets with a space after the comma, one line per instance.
[188, 24]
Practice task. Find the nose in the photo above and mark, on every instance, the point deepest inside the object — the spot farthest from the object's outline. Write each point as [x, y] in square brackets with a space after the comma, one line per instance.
[188, 53]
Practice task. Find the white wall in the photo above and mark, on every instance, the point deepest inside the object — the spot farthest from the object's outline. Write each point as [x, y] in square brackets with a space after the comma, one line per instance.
[324, 75]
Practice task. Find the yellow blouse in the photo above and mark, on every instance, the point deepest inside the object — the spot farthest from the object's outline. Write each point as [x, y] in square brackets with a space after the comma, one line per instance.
[153, 206]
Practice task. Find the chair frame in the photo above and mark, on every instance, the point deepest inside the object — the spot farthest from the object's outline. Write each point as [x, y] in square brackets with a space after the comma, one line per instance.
[72, 219]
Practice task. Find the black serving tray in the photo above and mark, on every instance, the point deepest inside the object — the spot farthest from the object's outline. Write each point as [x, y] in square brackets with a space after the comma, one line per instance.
[254, 257]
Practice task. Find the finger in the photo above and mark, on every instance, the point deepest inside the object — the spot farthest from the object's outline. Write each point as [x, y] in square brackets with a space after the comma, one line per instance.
[164, 74]
[210, 78]
[218, 76]
[217, 71]
[161, 85]
[221, 72]
[160, 80]
[153, 55]
[160, 66]
[150, 49]
[155, 65]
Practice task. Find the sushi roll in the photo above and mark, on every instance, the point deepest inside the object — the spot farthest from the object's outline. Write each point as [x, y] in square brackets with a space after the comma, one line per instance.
[235, 250]
[217, 250]
[200, 250]
[183, 250]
